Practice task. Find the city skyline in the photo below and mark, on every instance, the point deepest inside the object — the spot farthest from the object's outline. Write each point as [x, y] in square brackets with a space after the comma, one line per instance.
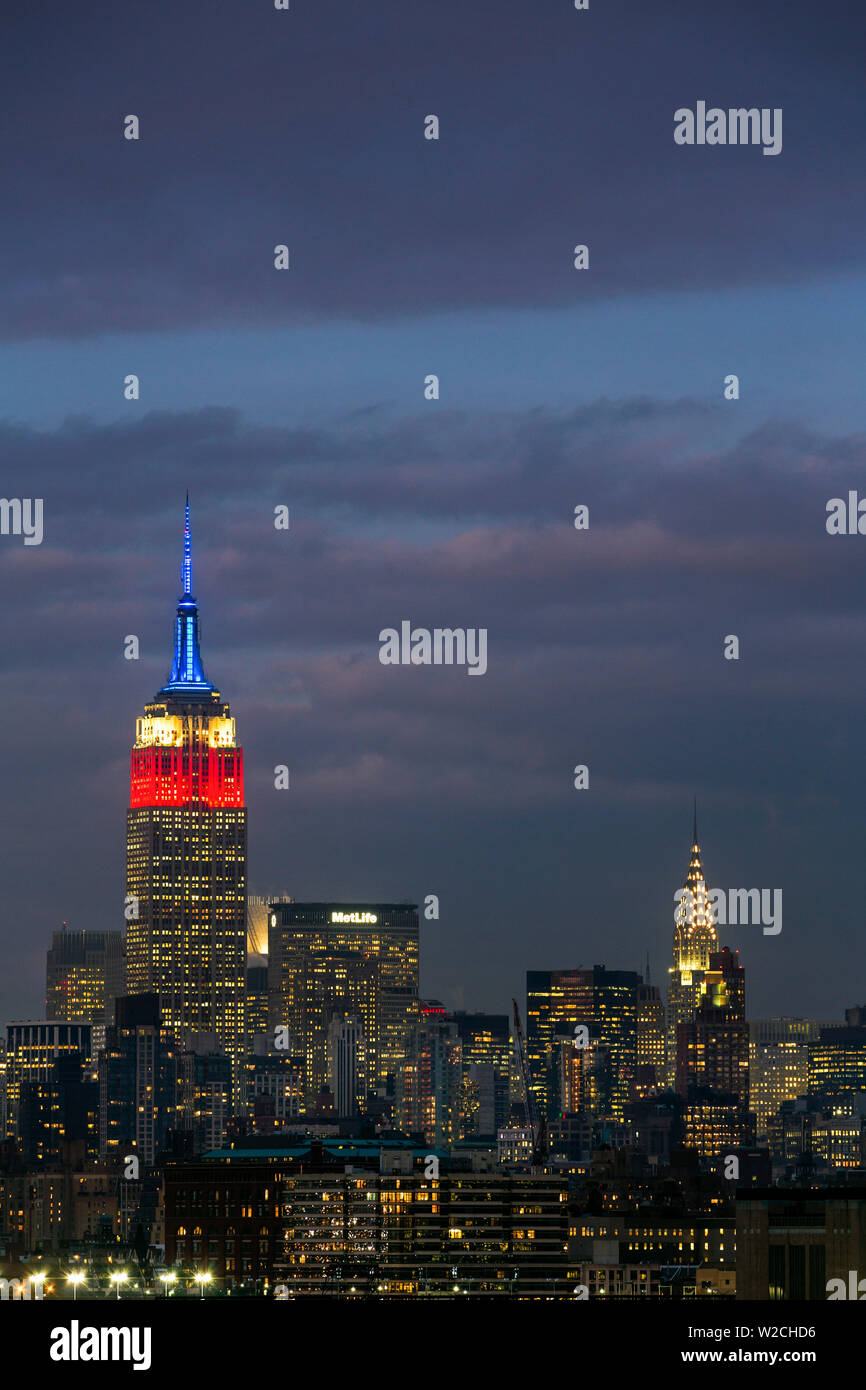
[451, 889]
[460, 996]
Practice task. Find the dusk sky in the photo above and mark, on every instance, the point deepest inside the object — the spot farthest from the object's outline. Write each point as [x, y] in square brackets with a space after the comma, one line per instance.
[558, 387]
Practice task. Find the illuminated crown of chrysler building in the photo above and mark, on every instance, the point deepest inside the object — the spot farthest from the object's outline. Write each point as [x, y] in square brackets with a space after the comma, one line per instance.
[694, 938]
[695, 934]
[187, 847]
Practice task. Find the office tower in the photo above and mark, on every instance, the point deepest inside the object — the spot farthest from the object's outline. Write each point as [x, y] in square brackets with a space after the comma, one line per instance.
[3, 1102]
[614, 1016]
[837, 1058]
[257, 923]
[328, 986]
[487, 1052]
[651, 1064]
[694, 938]
[323, 953]
[257, 926]
[257, 1000]
[138, 1081]
[429, 1083]
[838, 1131]
[204, 1093]
[603, 1005]
[554, 1000]
[712, 1060]
[820, 1133]
[187, 849]
[778, 1064]
[274, 1087]
[84, 975]
[347, 1066]
[478, 1102]
[586, 1075]
[58, 1117]
[32, 1049]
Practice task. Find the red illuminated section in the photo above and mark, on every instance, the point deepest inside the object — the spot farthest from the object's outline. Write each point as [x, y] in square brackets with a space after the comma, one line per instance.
[171, 777]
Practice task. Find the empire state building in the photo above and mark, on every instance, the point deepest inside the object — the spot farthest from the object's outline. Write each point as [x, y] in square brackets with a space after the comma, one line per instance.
[186, 848]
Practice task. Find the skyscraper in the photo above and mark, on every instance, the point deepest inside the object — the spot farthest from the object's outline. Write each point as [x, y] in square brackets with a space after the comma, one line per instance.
[187, 849]
[604, 1003]
[779, 1064]
[347, 1070]
[84, 975]
[695, 936]
[138, 1071]
[338, 960]
[429, 1084]
[32, 1050]
[651, 1038]
[837, 1058]
[555, 1001]
[712, 1061]
[486, 1056]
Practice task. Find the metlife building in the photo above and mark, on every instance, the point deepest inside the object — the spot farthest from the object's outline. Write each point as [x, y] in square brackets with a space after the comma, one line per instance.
[333, 960]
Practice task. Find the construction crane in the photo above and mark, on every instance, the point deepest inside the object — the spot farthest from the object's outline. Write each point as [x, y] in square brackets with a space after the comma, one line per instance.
[537, 1126]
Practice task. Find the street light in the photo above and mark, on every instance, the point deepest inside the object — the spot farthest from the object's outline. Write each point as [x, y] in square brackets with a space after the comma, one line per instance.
[167, 1279]
[38, 1279]
[203, 1277]
[118, 1278]
[76, 1278]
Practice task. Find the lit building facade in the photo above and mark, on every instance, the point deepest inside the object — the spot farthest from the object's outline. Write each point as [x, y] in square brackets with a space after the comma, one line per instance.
[486, 1058]
[328, 960]
[712, 1072]
[837, 1060]
[555, 999]
[138, 1081]
[654, 1253]
[257, 1000]
[187, 850]
[778, 1064]
[353, 1219]
[651, 1038]
[58, 1118]
[274, 1088]
[819, 1135]
[429, 1084]
[347, 1072]
[84, 975]
[32, 1049]
[605, 1003]
[695, 937]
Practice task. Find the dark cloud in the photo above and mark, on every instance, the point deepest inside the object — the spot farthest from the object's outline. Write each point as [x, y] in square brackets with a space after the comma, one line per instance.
[306, 128]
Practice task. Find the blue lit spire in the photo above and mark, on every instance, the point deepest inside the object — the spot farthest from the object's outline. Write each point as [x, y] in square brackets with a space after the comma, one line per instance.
[186, 569]
[187, 679]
